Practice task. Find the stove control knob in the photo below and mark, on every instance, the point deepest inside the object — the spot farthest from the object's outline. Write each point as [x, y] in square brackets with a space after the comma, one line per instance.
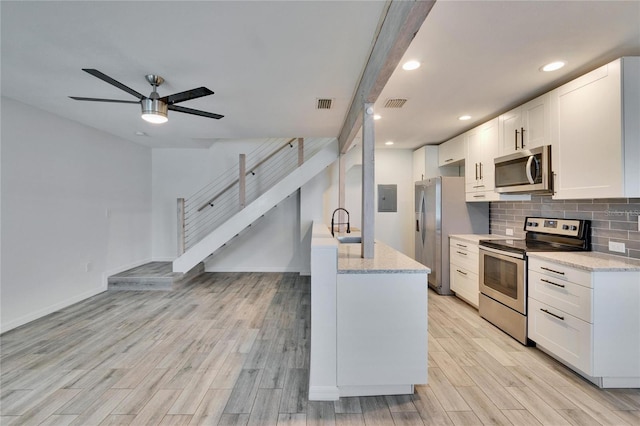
[529, 223]
[565, 227]
[574, 228]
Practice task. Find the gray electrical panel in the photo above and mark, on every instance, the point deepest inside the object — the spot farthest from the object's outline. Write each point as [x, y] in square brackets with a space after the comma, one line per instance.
[387, 198]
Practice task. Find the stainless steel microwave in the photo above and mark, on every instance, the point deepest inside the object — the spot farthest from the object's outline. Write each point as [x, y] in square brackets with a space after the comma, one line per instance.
[525, 172]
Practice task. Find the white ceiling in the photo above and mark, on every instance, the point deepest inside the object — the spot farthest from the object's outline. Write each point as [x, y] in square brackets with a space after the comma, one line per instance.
[268, 62]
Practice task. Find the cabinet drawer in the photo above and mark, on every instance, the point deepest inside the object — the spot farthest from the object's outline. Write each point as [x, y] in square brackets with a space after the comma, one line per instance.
[465, 259]
[564, 335]
[463, 245]
[465, 284]
[566, 296]
[560, 272]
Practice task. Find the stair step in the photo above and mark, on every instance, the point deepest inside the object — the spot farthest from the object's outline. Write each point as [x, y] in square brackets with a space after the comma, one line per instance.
[152, 276]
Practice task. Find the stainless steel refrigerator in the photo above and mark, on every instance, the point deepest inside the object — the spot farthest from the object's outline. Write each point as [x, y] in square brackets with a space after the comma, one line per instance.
[441, 210]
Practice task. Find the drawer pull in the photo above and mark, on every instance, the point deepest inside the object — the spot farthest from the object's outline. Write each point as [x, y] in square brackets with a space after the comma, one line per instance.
[551, 270]
[552, 283]
[463, 273]
[552, 314]
[461, 252]
[461, 245]
[478, 186]
[478, 196]
[448, 159]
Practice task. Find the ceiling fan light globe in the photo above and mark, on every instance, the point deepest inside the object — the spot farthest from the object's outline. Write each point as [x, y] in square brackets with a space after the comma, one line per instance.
[154, 111]
[155, 118]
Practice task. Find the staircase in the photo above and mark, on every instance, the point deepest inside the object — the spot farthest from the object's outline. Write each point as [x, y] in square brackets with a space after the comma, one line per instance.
[220, 211]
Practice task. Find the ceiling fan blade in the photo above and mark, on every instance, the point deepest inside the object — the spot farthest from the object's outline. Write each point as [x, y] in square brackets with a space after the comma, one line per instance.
[187, 95]
[77, 98]
[113, 82]
[194, 112]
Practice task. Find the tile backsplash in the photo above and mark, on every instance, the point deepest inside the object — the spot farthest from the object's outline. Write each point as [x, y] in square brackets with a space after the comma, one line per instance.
[611, 219]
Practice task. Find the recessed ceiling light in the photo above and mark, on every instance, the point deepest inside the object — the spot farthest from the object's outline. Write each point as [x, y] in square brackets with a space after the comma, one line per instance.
[388, 143]
[377, 117]
[552, 66]
[464, 117]
[410, 65]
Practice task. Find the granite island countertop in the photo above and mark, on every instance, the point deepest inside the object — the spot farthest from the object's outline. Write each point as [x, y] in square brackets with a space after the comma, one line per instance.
[589, 260]
[386, 260]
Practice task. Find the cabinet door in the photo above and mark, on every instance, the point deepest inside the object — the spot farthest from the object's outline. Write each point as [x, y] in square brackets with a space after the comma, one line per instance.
[510, 131]
[489, 140]
[587, 158]
[465, 284]
[419, 164]
[563, 335]
[535, 123]
[452, 151]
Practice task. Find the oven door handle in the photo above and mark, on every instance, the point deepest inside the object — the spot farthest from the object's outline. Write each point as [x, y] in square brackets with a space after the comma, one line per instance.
[502, 252]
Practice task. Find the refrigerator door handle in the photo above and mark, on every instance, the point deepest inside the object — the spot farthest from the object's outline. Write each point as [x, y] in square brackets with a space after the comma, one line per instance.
[417, 225]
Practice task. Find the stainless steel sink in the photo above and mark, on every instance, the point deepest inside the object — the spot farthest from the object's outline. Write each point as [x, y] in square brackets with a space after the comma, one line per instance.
[349, 239]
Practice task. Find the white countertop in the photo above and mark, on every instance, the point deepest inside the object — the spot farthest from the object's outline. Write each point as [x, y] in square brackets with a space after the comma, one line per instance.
[386, 260]
[590, 261]
[475, 238]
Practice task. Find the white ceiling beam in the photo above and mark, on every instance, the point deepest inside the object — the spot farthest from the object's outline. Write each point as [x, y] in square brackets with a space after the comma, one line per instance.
[401, 23]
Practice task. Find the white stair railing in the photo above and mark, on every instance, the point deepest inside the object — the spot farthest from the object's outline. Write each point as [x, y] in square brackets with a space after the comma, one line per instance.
[237, 187]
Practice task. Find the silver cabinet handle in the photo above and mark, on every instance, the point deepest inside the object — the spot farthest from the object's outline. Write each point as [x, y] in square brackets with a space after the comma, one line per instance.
[516, 139]
[552, 270]
[552, 314]
[521, 138]
[463, 273]
[448, 159]
[461, 245]
[552, 283]
[461, 252]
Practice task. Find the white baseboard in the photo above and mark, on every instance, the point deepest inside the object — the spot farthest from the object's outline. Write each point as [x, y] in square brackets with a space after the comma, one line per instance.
[376, 390]
[48, 310]
[324, 393]
[251, 269]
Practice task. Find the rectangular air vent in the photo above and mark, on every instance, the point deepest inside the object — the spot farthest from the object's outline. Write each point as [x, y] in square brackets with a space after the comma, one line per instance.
[395, 103]
[324, 103]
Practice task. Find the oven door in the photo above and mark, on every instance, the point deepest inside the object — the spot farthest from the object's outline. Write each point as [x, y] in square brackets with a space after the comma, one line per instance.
[503, 278]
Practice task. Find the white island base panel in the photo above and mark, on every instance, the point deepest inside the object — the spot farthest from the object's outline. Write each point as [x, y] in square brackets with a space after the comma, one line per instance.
[381, 333]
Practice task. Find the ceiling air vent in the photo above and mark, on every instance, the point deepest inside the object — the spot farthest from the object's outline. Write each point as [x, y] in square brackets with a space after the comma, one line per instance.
[324, 103]
[395, 103]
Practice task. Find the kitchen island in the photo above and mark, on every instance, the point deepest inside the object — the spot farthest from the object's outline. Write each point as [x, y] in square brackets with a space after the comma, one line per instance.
[368, 320]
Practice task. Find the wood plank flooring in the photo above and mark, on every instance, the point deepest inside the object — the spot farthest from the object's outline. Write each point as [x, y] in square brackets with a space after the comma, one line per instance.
[233, 349]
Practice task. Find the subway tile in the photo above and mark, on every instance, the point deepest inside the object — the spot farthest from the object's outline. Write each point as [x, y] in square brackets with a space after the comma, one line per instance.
[634, 254]
[593, 207]
[601, 224]
[610, 233]
[626, 226]
[634, 235]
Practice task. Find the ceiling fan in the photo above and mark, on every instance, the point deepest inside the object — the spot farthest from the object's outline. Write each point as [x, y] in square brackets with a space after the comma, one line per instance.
[154, 107]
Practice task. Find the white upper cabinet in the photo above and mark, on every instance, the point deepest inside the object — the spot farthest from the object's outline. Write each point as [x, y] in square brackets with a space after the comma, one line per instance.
[482, 148]
[597, 148]
[452, 151]
[526, 127]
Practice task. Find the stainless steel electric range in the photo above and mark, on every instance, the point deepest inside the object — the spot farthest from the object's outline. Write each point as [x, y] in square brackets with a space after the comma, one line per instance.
[503, 269]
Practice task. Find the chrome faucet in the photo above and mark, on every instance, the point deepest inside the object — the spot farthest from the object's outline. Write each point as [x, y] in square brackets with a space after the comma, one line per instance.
[340, 223]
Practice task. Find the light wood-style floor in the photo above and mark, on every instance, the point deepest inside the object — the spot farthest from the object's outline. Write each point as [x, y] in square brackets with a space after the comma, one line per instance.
[233, 349]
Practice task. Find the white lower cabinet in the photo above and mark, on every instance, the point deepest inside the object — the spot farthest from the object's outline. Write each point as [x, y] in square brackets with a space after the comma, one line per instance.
[590, 320]
[463, 272]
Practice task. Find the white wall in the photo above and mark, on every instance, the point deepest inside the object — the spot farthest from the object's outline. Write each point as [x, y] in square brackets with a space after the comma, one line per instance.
[393, 166]
[76, 207]
[176, 173]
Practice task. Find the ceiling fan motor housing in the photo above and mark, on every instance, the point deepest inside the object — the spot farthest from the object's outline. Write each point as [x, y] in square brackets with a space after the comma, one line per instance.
[154, 106]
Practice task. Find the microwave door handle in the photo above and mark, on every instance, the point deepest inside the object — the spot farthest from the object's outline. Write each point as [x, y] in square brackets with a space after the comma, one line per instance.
[530, 178]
